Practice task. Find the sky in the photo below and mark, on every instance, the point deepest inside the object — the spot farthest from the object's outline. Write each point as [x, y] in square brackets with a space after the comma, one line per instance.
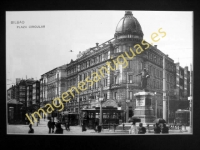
[31, 52]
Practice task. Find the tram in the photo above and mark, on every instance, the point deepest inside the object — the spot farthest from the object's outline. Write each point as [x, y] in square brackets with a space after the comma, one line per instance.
[182, 117]
[110, 116]
[71, 117]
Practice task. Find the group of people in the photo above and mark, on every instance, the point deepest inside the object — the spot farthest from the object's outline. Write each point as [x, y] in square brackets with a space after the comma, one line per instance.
[158, 128]
[135, 130]
[51, 125]
[161, 128]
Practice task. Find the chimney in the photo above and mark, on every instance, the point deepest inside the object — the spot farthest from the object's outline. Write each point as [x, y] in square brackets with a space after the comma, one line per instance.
[97, 44]
[155, 46]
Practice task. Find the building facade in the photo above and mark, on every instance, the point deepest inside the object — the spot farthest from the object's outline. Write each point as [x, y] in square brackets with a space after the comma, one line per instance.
[36, 93]
[118, 82]
[52, 85]
[121, 84]
[182, 86]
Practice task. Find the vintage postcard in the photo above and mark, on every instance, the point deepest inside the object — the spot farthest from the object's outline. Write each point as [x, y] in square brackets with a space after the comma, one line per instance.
[99, 72]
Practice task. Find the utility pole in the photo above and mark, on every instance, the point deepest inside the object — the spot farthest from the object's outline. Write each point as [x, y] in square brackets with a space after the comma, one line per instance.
[164, 90]
[168, 107]
[100, 101]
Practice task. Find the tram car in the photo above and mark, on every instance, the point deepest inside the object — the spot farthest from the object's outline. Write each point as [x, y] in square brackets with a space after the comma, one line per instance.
[110, 116]
[182, 117]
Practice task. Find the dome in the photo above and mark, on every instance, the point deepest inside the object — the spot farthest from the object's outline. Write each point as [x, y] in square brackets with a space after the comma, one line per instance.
[129, 25]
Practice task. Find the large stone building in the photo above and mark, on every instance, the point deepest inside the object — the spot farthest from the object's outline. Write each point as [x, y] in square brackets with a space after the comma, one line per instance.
[128, 34]
[52, 85]
[121, 83]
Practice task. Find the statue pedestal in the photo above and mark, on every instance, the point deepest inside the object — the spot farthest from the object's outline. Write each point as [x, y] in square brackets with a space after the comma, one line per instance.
[143, 108]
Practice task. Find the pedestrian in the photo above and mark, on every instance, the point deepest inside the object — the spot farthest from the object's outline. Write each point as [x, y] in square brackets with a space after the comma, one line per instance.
[174, 124]
[141, 129]
[59, 129]
[157, 129]
[96, 125]
[49, 125]
[67, 125]
[165, 129]
[31, 130]
[133, 129]
[53, 126]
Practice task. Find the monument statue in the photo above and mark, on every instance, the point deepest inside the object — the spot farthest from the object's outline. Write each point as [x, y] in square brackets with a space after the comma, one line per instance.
[144, 76]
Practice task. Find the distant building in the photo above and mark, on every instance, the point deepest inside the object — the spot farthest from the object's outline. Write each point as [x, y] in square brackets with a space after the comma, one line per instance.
[29, 91]
[52, 85]
[36, 93]
[182, 86]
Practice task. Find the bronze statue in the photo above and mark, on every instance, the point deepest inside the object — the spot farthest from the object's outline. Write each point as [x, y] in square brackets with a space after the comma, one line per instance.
[144, 76]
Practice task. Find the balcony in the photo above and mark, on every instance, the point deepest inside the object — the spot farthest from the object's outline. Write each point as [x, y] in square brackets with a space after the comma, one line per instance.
[115, 85]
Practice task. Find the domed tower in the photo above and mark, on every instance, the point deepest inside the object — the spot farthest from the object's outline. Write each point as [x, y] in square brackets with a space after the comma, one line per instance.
[128, 28]
[127, 34]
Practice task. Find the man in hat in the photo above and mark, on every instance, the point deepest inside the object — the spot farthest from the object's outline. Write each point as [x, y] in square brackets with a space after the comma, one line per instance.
[141, 130]
[144, 76]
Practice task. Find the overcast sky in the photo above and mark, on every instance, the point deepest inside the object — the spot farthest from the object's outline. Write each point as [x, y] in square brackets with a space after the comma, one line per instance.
[32, 52]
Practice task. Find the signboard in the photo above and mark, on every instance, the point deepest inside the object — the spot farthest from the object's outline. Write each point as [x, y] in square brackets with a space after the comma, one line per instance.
[140, 102]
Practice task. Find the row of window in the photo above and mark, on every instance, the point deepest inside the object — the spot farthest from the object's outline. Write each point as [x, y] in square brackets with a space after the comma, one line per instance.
[86, 98]
[155, 58]
[51, 78]
[90, 62]
[159, 74]
[159, 60]
[34, 97]
[122, 48]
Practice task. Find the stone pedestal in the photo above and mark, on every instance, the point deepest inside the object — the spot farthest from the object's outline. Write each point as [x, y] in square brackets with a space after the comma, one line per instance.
[143, 108]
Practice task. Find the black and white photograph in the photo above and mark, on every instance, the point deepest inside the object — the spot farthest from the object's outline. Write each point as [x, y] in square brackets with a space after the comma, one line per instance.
[99, 72]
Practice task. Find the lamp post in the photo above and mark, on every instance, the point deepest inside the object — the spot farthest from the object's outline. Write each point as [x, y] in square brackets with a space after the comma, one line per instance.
[164, 90]
[100, 101]
[167, 93]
